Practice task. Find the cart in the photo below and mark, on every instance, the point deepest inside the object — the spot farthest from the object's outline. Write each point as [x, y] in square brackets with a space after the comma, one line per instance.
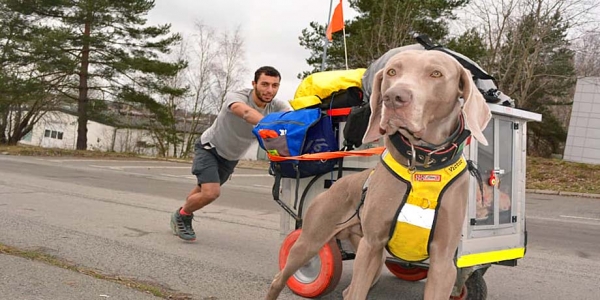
[494, 232]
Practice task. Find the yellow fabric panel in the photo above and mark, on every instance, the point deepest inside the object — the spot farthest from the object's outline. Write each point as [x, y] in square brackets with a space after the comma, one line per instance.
[412, 244]
[323, 84]
[489, 257]
[409, 241]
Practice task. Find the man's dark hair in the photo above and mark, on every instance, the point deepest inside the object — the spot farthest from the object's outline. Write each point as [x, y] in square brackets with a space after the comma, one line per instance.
[269, 71]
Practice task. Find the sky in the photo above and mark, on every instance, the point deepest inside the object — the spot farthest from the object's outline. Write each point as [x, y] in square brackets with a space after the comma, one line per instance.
[270, 29]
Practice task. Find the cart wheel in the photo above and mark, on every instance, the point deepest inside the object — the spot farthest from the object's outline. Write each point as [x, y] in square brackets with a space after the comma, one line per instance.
[474, 288]
[407, 273]
[320, 275]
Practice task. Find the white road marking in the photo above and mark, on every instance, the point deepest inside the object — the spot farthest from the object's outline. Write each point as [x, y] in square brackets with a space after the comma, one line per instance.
[572, 221]
[250, 175]
[149, 167]
[248, 188]
[580, 218]
[262, 186]
[137, 167]
[96, 160]
[179, 176]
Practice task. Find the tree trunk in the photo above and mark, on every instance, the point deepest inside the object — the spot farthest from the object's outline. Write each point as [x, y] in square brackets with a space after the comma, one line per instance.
[3, 139]
[82, 102]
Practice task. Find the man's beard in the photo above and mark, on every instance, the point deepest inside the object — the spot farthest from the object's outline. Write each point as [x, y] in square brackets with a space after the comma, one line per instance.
[260, 98]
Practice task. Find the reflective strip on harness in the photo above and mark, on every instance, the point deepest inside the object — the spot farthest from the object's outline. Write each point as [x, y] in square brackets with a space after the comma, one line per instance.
[417, 216]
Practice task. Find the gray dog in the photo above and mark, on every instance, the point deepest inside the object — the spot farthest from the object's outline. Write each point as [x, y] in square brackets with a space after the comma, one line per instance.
[425, 105]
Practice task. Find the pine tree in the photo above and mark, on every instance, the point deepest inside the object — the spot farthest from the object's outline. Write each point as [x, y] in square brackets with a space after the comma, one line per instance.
[537, 69]
[107, 46]
[380, 26]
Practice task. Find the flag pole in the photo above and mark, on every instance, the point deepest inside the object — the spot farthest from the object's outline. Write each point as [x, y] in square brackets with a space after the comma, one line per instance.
[326, 44]
[345, 46]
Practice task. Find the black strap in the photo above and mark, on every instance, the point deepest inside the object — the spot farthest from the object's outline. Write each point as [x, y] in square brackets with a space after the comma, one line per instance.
[356, 213]
[276, 171]
[426, 42]
[297, 168]
[475, 173]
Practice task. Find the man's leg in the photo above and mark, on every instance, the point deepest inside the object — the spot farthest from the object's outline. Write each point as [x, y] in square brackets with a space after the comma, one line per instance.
[206, 168]
[201, 196]
[211, 171]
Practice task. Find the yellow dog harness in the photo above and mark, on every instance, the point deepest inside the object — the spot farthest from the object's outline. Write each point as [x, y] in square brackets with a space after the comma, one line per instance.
[411, 233]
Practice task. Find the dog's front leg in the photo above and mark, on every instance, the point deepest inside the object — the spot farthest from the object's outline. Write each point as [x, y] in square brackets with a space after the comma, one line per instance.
[367, 266]
[442, 271]
[440, 280]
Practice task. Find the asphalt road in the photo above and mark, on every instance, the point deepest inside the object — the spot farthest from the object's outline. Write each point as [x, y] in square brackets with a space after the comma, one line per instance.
[112, 216]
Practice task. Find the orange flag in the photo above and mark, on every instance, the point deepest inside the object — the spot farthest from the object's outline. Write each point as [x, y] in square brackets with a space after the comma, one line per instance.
[337, 21]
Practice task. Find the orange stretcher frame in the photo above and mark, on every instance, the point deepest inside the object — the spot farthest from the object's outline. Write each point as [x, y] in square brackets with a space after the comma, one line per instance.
[328, 155]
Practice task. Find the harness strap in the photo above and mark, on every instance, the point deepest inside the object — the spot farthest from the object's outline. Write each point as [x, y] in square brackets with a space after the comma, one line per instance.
[363, 196]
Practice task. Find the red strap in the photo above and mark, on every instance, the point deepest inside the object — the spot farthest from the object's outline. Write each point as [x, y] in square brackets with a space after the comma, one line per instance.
[329, 155]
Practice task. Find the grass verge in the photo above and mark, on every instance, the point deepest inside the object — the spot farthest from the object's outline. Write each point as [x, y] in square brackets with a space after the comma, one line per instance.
[564, 176]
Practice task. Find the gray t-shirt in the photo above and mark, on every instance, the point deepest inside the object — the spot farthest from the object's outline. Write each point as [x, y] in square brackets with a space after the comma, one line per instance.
[230, 134]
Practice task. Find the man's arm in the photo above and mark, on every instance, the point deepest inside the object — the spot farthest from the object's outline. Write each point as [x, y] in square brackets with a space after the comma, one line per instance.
[284, 106]
[249, 114]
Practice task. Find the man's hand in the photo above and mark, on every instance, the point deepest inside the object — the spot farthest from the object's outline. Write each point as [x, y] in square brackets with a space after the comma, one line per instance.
[246, 112]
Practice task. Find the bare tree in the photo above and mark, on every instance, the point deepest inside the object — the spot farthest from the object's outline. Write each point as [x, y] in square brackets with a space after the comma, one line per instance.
[215, 67]
[587, 58]
[168, 137]
[203, 50]
[514, 53]
[228, 67]
[531, 54]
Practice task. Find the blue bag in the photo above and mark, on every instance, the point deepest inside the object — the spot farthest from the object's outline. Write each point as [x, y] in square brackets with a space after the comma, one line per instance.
[294, 133]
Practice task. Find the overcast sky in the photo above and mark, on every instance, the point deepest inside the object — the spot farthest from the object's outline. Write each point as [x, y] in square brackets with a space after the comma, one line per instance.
[270, 29]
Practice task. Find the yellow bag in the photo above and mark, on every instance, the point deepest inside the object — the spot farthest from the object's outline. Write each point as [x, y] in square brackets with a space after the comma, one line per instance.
[323, 84]
[304, 102]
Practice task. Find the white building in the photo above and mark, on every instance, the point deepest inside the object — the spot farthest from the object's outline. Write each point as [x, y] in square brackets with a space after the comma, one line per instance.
[583, 140]
[58, 129]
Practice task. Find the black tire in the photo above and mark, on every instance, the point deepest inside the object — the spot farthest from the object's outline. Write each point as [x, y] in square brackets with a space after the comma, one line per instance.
[476, 287]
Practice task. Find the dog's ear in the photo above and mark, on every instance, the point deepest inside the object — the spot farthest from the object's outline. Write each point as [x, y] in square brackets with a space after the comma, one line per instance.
[476, 111]
[375, 102]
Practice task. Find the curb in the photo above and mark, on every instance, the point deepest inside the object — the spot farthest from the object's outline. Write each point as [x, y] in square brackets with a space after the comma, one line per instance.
[258, 167]
[560, 193]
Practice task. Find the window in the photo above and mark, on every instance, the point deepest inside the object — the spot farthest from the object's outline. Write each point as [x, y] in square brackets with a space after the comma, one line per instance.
[28, 136]
[53, 134]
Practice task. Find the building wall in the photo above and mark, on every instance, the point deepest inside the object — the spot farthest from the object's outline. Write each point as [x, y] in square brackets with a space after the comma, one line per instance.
[583, 140]
[54, 130]
[59, 130]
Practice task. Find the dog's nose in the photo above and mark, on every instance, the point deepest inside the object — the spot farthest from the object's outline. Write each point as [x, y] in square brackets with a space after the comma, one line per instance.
[398, 98]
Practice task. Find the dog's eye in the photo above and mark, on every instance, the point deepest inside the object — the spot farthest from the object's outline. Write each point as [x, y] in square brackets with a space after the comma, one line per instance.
[391, 72]
[436, 74]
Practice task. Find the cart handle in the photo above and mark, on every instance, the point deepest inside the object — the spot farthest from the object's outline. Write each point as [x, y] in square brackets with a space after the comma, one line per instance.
[329, 155]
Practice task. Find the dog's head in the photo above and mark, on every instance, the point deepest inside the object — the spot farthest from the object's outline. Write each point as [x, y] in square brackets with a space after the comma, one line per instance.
[417, 93]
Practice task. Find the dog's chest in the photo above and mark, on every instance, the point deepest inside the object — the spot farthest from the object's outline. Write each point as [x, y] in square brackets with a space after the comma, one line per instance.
[413, 225]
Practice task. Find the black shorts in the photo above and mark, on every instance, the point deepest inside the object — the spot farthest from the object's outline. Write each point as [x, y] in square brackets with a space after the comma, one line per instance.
[210, 167]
